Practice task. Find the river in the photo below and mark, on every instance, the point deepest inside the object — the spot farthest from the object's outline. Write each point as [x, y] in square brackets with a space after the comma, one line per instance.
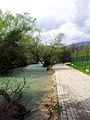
[37, 83]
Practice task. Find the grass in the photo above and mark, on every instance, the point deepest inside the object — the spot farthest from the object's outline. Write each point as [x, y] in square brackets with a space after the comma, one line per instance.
[80, 68]
[58, 108]
[37, 83]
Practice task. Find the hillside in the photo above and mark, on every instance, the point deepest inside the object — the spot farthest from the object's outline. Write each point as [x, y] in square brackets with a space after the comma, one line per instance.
[78, 46]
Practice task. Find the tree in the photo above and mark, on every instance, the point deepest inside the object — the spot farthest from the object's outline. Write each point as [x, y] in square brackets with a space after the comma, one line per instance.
[13, 30]
[48, 53]
[66, 55]
[31, 44]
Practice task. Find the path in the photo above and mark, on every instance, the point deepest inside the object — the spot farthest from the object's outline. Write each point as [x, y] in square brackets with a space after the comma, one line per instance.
[73, 92]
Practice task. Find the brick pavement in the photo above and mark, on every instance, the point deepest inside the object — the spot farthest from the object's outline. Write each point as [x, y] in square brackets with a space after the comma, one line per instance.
[73, 93]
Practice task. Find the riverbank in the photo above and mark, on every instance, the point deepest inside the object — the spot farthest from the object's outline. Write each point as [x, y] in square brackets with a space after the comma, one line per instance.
[48, 108]
[39, 94]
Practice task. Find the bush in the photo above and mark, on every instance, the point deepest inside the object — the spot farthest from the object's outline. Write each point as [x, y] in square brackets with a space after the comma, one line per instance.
[12, 109]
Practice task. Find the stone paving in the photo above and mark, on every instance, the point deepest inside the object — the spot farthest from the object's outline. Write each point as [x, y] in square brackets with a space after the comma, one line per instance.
[73, 93]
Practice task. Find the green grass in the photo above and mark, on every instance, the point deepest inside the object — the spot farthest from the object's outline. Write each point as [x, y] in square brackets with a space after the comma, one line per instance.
[58, 108]
[37, 83]
[80, 68]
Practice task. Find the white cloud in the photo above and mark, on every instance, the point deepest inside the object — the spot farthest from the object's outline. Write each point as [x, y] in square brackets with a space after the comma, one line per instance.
[72, 17]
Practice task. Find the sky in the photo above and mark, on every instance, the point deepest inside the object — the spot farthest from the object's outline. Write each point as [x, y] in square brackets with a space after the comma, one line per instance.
[70, 17]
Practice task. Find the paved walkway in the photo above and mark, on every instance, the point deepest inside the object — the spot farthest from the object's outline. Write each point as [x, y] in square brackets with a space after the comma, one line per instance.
[73, 93]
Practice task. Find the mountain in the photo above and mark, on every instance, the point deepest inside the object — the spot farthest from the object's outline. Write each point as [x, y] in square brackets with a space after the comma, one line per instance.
[78, 46]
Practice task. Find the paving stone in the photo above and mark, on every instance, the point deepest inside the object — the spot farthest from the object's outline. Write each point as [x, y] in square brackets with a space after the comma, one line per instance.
[73, 93]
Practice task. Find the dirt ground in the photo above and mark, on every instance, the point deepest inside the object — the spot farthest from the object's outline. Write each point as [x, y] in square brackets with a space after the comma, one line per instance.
[48, 108]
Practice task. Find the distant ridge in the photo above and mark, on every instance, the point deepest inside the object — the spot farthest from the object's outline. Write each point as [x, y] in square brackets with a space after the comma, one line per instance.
[78, 46]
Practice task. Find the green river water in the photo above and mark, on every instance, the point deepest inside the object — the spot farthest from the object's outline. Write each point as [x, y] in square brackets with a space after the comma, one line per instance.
[37, 83]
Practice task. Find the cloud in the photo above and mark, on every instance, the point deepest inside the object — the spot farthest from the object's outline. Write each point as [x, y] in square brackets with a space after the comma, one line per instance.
[72, 17]
[81, 12]
[50, 23]
[74, 22]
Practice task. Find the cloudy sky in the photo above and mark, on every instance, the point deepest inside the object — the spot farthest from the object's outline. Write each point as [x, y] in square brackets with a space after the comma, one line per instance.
[71, 17]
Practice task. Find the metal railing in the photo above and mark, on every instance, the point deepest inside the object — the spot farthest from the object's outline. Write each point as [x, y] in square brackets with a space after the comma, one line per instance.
[81, 58]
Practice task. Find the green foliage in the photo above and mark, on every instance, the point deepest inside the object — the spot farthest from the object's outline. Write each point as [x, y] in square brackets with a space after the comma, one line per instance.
[20, 43]
[65, 56]
[14, 33]
[10, 100]
[53, 53]
[31, 49]
[49, 54]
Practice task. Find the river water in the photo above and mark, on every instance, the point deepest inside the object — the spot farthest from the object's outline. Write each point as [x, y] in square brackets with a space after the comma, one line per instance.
[37, 83]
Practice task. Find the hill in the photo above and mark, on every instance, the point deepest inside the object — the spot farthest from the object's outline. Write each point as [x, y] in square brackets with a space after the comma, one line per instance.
[78, 46]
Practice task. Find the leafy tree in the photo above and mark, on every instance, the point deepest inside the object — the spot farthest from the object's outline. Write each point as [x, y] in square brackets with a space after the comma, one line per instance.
[65, 56]
[48, 53]
[31, 44]
[13, 30]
